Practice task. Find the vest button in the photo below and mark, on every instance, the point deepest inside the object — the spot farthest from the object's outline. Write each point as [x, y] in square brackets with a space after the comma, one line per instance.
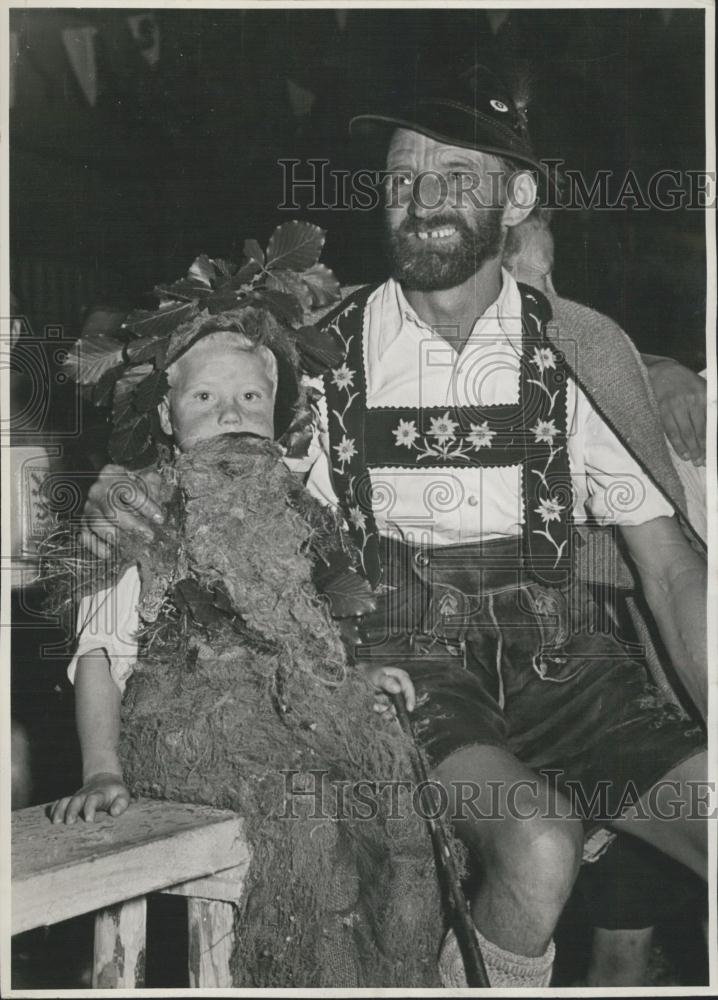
[472, 501]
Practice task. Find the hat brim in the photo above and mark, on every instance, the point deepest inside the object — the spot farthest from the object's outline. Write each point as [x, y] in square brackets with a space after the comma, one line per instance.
[455, 126]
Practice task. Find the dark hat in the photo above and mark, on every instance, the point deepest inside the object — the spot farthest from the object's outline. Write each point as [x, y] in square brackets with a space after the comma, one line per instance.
[473, 109]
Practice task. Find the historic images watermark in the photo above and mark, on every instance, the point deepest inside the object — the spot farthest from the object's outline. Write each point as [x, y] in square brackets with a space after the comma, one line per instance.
[311, 795]
[53, 491]
[34, 363]
[313, 184]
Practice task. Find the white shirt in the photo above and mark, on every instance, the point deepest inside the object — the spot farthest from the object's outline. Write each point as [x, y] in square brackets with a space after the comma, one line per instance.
[409, 364]
[109, 621]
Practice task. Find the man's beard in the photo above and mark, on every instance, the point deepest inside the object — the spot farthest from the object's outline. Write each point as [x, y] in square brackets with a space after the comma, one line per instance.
[425, 267]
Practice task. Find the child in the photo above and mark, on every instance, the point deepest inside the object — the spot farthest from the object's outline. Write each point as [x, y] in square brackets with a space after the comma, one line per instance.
[223, 383]
[242, 695]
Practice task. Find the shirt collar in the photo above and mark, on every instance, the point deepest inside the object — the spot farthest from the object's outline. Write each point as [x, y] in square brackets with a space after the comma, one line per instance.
[502, 318]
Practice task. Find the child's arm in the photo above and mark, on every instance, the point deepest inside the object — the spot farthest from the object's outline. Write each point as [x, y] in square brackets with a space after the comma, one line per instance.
[97, 710]
[388, 681]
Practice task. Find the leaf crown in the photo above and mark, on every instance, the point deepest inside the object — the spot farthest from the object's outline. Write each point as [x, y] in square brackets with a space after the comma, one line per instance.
[270, 298]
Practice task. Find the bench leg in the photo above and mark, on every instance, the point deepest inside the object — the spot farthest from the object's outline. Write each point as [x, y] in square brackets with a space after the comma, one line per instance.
[120, 934]
[211, 942]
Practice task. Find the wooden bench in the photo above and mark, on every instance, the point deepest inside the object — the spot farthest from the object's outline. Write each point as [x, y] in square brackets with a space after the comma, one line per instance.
[110, 866]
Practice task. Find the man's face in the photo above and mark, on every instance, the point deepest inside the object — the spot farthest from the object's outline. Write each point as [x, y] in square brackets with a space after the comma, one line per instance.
[444, 221]
[218, 387]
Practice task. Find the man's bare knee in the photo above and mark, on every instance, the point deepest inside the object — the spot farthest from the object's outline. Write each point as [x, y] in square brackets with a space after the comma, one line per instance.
[554, 848]
[541, 855]
[514, 823]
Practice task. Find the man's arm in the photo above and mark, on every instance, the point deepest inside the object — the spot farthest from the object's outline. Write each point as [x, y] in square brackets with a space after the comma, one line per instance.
[120, 500]
[674, 580]
[682, 401]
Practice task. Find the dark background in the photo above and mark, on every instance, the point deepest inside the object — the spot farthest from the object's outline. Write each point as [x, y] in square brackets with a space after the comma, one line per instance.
[178, 154]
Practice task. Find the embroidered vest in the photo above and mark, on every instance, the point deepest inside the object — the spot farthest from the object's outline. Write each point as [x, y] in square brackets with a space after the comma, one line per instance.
[531, 434]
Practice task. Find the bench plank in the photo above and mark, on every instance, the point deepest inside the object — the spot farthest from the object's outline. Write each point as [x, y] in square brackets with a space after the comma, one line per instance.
[61, 871]
[225, 886]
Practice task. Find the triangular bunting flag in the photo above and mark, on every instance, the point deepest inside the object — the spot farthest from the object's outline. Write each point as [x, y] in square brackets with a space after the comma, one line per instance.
[146, 33]
[14, 53]
[80, 47]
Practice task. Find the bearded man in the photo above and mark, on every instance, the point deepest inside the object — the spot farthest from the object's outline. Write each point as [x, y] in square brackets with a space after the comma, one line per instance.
[449, 424]
[469, 434]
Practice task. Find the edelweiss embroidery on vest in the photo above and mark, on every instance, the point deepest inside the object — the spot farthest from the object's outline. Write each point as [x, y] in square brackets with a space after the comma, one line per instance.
[443, 437]
[531, 434]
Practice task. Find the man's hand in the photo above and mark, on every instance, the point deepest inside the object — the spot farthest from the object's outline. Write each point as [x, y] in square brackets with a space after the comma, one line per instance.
[103, 792]
[388, 681]
[674, 579]
[681, 396]
[120, 501]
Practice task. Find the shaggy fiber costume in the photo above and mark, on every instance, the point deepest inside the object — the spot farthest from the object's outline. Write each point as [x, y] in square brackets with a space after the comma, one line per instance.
[251, 680]
[243, 696]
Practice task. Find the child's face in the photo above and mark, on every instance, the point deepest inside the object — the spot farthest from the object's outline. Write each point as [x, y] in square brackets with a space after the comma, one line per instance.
[216, 388]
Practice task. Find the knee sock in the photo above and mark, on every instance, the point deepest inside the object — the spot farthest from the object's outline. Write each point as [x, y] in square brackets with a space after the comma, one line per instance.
[503, 968]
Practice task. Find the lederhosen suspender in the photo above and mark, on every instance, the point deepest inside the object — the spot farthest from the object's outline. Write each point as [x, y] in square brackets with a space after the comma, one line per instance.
[531, 433]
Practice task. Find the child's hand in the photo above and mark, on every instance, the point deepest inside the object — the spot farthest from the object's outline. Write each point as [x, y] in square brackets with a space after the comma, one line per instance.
[103, 792]
[388, 681]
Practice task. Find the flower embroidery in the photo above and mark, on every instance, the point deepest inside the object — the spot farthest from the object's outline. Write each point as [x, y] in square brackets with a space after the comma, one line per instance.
[343, 377]
[543, 358]
[443, 428]
[443, 440]
[357, 518]
[345, 450]
[545, 430]
[481, 436]
[549, 510]
[406, 433]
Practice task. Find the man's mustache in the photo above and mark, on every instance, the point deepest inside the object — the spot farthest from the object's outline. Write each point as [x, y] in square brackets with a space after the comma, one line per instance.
[412, 227]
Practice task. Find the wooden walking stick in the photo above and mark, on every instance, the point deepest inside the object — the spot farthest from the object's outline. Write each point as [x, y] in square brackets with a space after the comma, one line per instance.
[446, 866]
